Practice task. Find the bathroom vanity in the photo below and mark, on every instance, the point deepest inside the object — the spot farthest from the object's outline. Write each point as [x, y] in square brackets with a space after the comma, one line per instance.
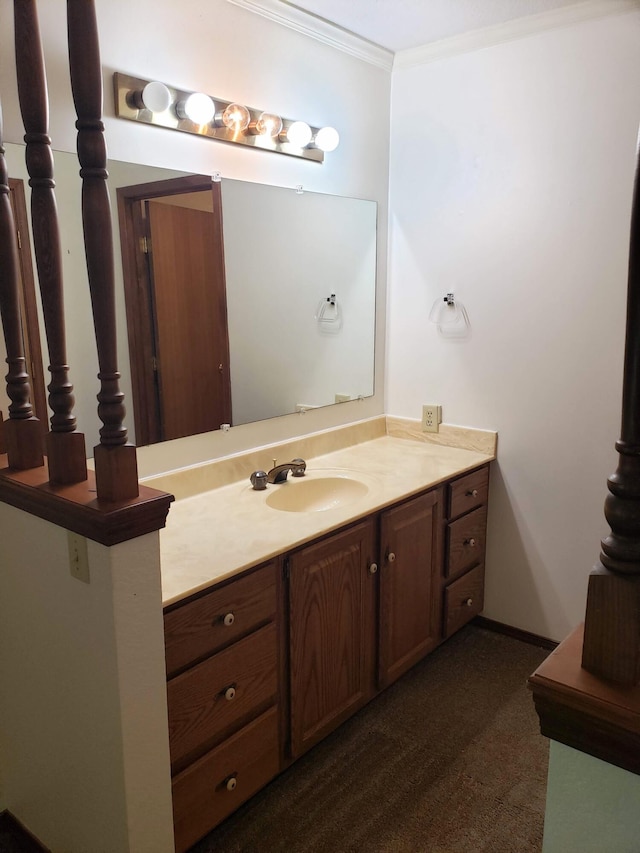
[272, 654]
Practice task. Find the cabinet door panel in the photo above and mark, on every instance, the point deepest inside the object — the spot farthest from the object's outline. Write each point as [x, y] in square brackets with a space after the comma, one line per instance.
[409, 584]
[332, 603]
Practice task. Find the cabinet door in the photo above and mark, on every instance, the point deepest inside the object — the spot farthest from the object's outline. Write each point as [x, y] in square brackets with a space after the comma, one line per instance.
[410, 612]
[332, 632]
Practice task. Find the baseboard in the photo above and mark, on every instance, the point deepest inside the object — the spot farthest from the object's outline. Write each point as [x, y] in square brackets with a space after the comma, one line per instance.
[516, 633]
[18, 835]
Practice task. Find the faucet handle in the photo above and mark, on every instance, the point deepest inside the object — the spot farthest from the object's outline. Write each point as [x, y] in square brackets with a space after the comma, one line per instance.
[259, 480]
[298, 467]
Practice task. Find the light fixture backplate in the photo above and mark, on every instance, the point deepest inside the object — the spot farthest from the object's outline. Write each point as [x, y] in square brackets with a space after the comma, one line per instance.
[125, 85]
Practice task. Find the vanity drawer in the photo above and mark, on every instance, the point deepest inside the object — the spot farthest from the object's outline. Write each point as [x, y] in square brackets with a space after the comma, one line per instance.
[220, 694]
[466, 540]
[208, 624]
[468, 492]
[463, 599]
[215, 785]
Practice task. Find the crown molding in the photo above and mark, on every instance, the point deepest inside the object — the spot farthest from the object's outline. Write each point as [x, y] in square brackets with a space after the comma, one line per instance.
[516, 29]
[317, 28]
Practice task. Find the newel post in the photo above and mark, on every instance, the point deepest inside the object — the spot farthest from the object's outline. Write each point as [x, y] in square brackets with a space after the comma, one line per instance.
[612, 626]
[115, 459]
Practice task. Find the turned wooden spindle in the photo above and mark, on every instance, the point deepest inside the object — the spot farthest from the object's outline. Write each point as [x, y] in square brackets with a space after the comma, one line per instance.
[22, 432]
[612, 626]
[65, 447]
[115, 459]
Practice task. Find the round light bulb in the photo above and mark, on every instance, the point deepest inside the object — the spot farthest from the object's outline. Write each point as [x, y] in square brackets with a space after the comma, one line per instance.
[269, 124]
[327, 139]
[156, 97]
[199, 108]
[299, 134]
[236, 117]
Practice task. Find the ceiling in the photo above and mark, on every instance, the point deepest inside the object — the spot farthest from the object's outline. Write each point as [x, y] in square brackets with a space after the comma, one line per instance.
[402, 24]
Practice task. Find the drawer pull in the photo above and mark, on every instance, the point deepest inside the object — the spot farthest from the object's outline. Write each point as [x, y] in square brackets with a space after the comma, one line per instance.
[231, 783]
[230, 693]
[391, 557]
[228, 619]
[471, 542]
[469, 602]
[473, 493]
[373, 568]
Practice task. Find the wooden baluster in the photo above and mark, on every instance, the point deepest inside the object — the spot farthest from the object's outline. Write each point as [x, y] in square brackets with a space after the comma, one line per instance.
[23, 432]
[115, 460]
[65, 447]
[612, 627]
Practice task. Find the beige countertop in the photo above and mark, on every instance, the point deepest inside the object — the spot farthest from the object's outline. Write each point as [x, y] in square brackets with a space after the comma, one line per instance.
[218, 533]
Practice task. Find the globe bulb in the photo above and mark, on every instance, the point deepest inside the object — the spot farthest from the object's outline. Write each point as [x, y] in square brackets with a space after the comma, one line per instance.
[199, 108]
[156, 97]
[299, 134]
[327, 139]
[236, 117]
[269, 124]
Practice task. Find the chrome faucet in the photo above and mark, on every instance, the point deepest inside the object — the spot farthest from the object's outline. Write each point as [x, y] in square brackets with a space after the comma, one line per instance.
[278, 474]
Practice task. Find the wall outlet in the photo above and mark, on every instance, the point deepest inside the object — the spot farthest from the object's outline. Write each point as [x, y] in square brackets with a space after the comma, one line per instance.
[78, 557]
[431, 418]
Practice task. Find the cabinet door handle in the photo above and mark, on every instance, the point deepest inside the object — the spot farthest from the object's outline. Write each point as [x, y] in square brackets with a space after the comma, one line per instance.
[473, 493]
[228, 619]
[230, 693]
[373, 568]
[469, 602]
[391, 557]
[231, 783]
[471, 542]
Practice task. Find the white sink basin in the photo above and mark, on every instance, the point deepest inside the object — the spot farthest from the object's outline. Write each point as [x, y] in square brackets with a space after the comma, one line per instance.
[304, 494]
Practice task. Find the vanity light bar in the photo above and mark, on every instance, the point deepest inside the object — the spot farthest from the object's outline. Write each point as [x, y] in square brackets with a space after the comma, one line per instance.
[153, 102]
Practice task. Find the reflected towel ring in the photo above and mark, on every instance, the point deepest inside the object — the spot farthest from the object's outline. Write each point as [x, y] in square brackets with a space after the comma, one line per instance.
[328, 314]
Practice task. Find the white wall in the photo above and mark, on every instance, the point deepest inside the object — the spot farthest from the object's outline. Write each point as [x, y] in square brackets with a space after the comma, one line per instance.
[231, 53]
[511, 178]
[84, 735]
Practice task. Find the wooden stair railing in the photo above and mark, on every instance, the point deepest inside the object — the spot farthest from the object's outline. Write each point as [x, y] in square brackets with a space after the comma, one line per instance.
[65, 447]
[22, 432]
[611, 647]
[109, 506]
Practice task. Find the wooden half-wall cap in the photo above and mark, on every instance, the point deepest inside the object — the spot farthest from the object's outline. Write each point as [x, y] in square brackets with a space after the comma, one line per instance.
[77, 507]
[587, 713]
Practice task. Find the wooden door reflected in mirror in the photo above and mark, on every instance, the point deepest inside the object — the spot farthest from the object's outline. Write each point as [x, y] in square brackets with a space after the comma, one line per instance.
[176, 307]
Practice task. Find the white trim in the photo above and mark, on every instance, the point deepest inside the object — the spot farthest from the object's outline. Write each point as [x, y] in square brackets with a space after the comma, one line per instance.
[317, 28]
[518, 28]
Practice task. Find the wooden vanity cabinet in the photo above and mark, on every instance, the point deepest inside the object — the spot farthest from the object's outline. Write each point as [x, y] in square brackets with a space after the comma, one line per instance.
[263, 666]
[410, 560]
[332, 597]
[463, 583]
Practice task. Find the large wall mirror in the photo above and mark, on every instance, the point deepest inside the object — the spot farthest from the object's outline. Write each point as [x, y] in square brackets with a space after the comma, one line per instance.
[264, 297]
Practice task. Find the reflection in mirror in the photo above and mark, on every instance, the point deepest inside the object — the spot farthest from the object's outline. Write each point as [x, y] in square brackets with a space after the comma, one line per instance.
[300, 297]
[300, 274]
